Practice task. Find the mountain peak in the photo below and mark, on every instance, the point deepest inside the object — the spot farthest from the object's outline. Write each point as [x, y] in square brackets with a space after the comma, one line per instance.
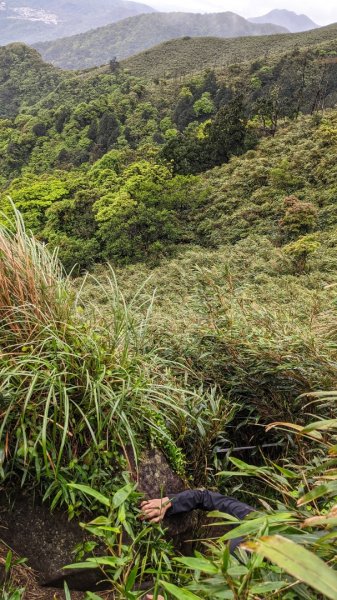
[288, 19]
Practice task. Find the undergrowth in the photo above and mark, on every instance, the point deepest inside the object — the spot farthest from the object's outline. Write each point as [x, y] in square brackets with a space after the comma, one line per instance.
[81, 391]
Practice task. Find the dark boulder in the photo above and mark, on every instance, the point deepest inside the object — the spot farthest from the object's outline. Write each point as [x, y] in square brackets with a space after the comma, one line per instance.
[47, 540]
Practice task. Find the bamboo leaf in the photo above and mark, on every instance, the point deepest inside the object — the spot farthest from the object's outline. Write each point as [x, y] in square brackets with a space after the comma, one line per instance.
[199, 564]
[90, 492]
[319, 491]
[324, 425]
[179, 593]
[299, 428]
[298, 562]
[122, 495]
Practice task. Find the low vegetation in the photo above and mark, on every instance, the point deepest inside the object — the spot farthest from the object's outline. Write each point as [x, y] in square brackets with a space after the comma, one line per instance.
[181, 57]
[75, 391]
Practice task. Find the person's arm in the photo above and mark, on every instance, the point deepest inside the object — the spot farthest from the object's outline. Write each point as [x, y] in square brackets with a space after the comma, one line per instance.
[208, 501]
[155, 510]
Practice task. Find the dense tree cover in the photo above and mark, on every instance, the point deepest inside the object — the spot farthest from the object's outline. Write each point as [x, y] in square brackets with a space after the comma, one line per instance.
[105, 165]
[24, 78]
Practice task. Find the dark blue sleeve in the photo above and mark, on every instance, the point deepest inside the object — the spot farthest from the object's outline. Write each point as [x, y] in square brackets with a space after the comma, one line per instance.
[208, 501]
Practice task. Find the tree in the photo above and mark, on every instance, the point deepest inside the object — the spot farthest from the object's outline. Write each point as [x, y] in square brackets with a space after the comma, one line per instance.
[40, 129]
[93, 130]
[114, 65]
[108, 130]
[61, 118]
[227, 132]
[268, 109]
[301, 250]
[146, 212]
[204, 106]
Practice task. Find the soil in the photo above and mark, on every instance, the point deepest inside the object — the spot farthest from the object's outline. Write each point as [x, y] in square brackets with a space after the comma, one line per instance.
[22, 576]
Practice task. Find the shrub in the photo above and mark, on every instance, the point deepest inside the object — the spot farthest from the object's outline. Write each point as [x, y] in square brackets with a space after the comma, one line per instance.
[299, 218]
[300, 251]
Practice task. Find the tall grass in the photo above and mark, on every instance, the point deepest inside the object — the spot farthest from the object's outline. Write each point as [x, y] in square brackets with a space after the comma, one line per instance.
[33, 292]
[80, 390]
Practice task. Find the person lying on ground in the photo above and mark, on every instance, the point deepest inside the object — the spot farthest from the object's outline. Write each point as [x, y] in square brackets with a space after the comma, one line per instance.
[157, 509]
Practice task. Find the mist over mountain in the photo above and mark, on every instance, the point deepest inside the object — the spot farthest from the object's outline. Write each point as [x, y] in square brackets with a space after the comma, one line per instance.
[288, 19]
[31, 21]
[135, 34]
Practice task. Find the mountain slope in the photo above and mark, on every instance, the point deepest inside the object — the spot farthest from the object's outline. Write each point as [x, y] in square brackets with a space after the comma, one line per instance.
[288, 19]
[133, 35]
[24, 78]
[183, 56]
[30, 21]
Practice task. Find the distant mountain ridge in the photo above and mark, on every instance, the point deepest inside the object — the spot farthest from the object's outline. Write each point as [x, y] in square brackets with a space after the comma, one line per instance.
[133, 35]
[288, 19]
[184, 56]
[30, 21]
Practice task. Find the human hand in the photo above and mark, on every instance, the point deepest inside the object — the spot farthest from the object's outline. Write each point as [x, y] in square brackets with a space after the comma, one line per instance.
[155, 510]
[149, 597]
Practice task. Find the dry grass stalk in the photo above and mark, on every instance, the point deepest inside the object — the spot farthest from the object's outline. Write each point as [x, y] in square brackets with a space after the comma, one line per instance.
[31, 285]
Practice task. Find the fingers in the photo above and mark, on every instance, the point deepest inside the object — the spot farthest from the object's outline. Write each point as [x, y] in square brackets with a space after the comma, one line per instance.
[157, 519]
[154, 510]
[155, 503]
[154, 516]
[151, 514]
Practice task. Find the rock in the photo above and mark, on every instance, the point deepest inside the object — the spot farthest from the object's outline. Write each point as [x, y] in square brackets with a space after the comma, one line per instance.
[156, 479]
[47, 540]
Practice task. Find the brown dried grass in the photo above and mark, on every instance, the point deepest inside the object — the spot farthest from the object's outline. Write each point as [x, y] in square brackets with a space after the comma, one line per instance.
[33, 289]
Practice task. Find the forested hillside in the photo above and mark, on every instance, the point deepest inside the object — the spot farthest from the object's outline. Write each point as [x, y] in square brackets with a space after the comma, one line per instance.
[203, 336]
[31, 21]
[133, 35]
[163, 132]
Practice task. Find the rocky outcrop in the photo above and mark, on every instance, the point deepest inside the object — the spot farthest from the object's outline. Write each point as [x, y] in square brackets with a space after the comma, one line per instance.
[48, 539]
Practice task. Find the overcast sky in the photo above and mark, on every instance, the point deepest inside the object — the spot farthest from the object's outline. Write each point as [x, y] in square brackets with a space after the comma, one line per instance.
[322, 12]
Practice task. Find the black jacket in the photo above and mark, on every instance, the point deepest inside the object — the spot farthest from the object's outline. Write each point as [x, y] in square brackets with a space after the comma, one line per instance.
[209, 501]
[205, 500]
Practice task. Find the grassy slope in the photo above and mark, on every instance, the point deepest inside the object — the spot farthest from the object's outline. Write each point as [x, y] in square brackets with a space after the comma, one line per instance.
[180, 57]
[135, 34]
